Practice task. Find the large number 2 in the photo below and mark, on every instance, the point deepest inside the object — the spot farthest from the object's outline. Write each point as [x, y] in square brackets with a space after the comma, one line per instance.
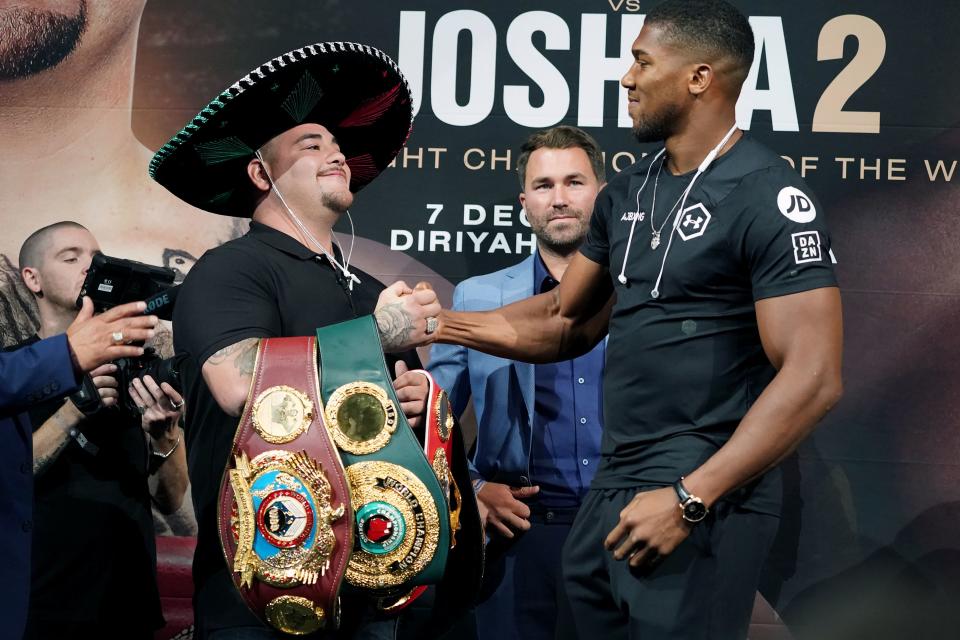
[872, 45]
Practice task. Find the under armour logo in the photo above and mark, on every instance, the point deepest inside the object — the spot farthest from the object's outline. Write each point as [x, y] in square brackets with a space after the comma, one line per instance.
[696, 218]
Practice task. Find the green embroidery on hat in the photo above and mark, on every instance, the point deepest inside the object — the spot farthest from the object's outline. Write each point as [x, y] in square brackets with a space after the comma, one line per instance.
[220, 198]
[303, 98]
[222, 150]
[335, 68]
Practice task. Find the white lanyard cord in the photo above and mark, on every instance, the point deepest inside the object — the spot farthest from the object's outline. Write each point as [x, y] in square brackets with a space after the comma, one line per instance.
[707, 161]
[345, 267]
[623, 268]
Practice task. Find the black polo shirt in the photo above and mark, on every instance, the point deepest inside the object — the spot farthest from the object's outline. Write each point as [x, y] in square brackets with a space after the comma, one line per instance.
[262, 285]
[683, 368]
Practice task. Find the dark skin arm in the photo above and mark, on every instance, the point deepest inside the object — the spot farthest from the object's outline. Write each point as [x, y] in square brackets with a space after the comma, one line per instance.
[802, 335]
[561, 324]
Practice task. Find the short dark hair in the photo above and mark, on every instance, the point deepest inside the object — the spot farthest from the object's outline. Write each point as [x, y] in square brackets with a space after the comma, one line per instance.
[713, 27]
[562, 137]
[31, 252]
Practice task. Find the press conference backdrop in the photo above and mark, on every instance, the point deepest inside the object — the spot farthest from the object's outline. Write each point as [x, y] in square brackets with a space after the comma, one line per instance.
[860, 97]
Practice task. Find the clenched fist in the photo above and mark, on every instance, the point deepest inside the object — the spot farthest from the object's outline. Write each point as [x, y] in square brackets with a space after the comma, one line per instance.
[406, 317]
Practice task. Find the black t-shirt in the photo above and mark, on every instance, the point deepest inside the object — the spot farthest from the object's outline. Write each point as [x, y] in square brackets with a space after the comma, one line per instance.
[683, 368]
[94, 553]
[262, 285]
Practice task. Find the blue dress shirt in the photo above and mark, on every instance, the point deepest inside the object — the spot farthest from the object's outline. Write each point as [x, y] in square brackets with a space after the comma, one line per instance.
[567, 420]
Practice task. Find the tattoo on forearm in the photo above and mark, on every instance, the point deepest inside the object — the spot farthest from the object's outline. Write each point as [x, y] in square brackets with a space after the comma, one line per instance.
[42, 461]
[243, 353]
[394, 325]
[247, 359]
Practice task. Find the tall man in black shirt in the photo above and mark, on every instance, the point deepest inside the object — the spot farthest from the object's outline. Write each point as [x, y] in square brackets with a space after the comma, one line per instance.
[286, 146]
[93, 565]
[710, 262]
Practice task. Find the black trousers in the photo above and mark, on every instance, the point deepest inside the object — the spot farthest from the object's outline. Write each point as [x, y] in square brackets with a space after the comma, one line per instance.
[704, 590]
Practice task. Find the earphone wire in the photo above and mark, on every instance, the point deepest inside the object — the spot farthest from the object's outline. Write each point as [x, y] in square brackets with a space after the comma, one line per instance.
[707, 161]
[622, 277]
[345, 267]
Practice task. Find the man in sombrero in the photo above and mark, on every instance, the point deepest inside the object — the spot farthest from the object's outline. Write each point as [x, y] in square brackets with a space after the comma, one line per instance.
[288, 146]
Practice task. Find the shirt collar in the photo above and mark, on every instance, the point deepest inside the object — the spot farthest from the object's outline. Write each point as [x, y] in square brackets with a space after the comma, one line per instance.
[542, 280]
[282, 242]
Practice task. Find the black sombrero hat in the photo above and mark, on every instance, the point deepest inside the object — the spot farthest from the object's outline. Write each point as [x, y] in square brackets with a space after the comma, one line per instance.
[355, 91]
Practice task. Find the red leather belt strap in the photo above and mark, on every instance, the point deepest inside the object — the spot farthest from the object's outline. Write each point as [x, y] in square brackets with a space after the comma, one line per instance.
[284, 513]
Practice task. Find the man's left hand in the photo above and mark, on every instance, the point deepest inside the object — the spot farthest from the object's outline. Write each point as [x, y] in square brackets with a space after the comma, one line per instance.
[651, 526]
[412, 389]
[160, 406]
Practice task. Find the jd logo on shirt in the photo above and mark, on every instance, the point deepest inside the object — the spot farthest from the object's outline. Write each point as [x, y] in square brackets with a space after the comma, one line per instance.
[694, 222]
[795, 205]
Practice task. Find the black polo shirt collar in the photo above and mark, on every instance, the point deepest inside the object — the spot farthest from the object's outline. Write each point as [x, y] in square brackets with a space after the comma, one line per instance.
[289, 245]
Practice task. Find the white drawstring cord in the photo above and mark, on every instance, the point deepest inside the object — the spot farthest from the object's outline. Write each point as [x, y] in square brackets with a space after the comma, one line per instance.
[655, 292]
[344, 268]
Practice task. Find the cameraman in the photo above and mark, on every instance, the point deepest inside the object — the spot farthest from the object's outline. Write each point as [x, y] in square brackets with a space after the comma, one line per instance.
[93, 569]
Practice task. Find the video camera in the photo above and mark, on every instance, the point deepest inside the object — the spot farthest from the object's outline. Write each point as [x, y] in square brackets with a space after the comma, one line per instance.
[114, 281]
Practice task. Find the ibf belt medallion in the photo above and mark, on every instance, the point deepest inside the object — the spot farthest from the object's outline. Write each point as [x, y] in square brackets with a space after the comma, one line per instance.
[283, 517]
[281, 413]
[361, 417]
[398, 528]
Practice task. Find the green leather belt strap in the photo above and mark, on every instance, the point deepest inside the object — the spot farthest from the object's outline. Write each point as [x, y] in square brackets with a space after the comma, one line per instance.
[401, 513]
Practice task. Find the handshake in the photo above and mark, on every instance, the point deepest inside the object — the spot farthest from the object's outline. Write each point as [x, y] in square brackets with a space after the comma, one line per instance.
[406, 317]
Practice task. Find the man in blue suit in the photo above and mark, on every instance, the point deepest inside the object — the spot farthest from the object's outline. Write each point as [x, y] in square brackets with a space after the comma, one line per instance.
[538, 426]
[47, 369]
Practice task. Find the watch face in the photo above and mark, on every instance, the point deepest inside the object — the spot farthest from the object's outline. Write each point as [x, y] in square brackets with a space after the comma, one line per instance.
[694, 511]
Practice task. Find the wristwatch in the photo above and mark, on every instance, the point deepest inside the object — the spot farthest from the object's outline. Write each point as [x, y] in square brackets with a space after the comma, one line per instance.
[691, 506]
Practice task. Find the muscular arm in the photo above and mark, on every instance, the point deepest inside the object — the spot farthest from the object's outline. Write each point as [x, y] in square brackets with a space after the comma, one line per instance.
[53, 436]
[802, 335]
[229, 372]
[562, 324]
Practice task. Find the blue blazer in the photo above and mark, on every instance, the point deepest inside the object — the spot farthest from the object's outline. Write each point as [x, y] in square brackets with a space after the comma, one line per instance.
[503, 390]
[29, 375]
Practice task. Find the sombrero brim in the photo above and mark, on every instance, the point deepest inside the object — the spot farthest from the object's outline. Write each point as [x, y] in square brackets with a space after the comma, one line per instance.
[355, 91]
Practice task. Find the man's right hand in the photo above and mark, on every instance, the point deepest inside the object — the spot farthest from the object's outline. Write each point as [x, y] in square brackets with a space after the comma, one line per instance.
[402, 315]
[94, 339]
[503, 507]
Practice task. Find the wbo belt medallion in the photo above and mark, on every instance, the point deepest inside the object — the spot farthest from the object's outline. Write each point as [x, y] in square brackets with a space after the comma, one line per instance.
[283, 518]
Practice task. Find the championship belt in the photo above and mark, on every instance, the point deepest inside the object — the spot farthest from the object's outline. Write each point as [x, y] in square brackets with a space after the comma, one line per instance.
[399, 507]
[284, 511]
[438, 448]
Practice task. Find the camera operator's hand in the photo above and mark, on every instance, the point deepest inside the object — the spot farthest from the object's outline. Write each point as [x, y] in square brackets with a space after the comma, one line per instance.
[106, 384]
[96, 340]
[160, 406]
